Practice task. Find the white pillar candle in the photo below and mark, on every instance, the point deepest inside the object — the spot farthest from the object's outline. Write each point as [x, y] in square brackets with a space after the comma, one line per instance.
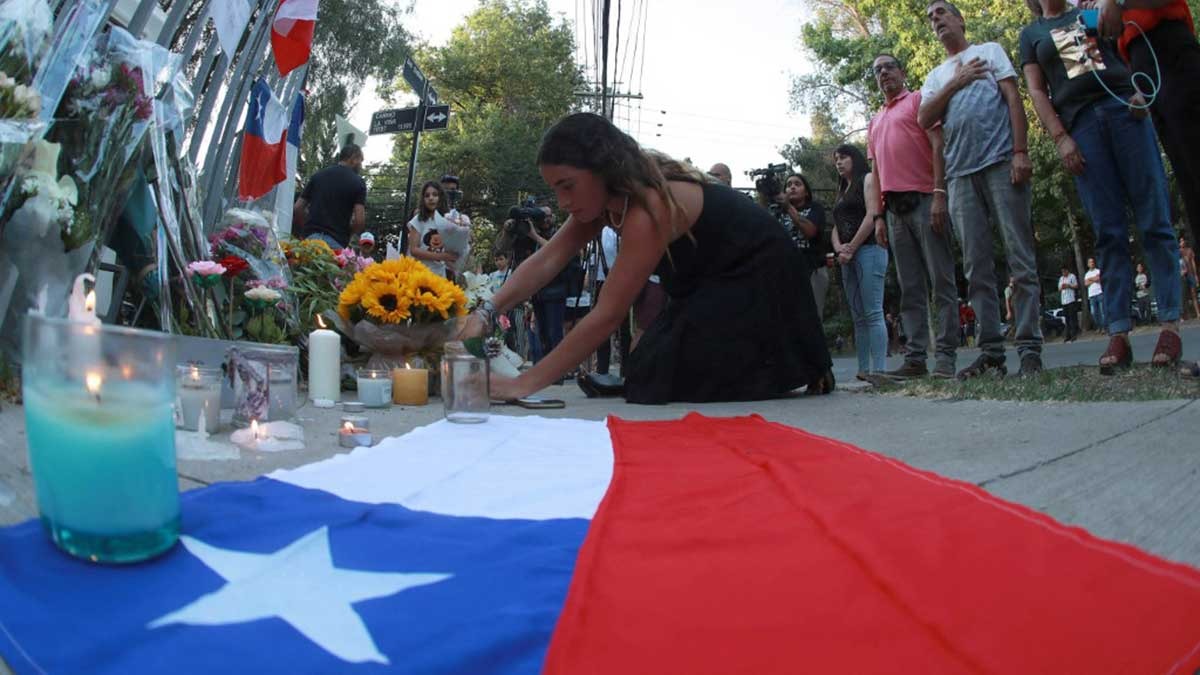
[324, 364]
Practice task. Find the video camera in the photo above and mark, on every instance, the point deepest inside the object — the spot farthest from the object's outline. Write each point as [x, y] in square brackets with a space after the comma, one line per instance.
[769, 181]
[522, 218]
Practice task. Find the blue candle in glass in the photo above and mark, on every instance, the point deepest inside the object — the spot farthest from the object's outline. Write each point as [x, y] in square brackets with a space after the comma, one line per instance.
[101, 439]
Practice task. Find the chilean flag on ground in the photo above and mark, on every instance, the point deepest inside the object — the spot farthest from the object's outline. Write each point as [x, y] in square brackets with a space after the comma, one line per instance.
[264, 145]
[687, 546]
[292, 33]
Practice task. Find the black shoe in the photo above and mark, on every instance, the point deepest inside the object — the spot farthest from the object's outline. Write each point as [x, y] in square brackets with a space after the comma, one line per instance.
[984, 364]
[595, 385]
[910, 370]
[1031, 365]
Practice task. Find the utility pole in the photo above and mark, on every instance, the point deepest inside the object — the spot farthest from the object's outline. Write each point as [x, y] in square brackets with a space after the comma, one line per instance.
[604, 98]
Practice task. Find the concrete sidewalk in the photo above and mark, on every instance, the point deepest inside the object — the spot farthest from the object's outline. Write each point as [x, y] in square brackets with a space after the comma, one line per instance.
[1124, 471]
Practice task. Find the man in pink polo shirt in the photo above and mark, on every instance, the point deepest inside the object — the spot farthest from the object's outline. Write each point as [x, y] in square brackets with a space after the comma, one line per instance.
[908, 164]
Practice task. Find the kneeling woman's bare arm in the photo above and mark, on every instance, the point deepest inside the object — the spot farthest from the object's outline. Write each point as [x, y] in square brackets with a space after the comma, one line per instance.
[642, 246]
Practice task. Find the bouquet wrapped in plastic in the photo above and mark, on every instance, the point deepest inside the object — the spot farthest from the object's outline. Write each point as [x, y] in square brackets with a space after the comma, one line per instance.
[258, 304]
[25, 27]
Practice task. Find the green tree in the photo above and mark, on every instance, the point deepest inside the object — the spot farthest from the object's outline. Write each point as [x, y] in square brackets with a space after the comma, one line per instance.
[843, 38]
[508, 72]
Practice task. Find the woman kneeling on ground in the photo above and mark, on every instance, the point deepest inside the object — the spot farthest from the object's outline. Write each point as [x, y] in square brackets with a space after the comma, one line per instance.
[740, 323]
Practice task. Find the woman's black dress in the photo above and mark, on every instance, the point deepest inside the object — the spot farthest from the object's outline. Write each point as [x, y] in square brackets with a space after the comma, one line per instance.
[740, 323]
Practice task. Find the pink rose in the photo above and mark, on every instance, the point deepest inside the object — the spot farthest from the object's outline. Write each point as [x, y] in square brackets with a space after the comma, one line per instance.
[205, 268]
[505, 324]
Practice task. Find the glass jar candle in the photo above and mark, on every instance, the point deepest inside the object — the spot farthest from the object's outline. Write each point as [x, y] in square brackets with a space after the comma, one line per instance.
[464, 385]
[375, 388]
[198, 398]
[100, 424]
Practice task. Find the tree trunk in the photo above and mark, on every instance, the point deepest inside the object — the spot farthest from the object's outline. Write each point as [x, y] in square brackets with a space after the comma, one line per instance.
[1080, 294]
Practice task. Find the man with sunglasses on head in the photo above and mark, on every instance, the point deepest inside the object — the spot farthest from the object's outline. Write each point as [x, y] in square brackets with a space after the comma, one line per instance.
[907, 162]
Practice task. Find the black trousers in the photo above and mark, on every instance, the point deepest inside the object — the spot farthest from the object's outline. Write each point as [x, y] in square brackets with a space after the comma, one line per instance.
[1177, 108]
[1071, 316]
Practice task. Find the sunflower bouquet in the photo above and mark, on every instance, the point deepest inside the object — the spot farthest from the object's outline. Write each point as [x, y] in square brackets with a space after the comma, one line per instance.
[401, 312]
[401, 292]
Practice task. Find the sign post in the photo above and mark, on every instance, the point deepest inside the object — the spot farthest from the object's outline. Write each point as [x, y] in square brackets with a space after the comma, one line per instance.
[428, 115]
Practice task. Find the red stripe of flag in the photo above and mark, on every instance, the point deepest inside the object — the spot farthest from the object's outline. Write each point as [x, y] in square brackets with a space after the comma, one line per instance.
[742, 546]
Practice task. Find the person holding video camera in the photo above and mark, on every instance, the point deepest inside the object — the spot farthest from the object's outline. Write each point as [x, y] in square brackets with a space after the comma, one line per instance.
[529, 228]
[740, 322]
[1108, 144]
[807, 217]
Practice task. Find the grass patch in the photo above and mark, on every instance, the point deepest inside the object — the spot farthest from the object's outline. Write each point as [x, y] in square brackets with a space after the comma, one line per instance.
[1076, 383]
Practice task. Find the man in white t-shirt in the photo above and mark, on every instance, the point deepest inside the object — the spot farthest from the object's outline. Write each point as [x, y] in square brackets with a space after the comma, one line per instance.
[1091, 279]
[973, 96]
[1068, 284]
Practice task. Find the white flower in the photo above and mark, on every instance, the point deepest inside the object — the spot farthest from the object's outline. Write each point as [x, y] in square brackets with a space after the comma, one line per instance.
[6, 82]
[263, 294]
[100, 78]
[29, 98]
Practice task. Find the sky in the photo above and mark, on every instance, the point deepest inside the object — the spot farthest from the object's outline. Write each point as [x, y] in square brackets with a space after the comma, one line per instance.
[715, 79]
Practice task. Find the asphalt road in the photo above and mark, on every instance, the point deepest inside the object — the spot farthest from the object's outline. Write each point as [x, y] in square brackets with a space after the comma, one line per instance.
[1084, 351]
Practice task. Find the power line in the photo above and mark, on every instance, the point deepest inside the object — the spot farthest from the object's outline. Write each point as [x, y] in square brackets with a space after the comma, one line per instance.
[728, 120]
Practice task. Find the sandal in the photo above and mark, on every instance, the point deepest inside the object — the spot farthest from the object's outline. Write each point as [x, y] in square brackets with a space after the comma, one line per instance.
[1170, 346]
[1120, 353]
[821, 385]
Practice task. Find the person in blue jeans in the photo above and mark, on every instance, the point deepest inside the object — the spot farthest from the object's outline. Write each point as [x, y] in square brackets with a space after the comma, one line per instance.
[1082, 92]
[863, 262]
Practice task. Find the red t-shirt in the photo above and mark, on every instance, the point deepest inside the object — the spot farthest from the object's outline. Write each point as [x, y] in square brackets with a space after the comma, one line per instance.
[1148, 19]
[900, 148]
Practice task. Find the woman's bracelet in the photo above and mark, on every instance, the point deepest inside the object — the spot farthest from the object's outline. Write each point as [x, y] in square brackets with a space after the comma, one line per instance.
[486, 311]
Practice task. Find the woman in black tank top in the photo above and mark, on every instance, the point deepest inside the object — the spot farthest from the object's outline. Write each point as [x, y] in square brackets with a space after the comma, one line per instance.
[740, 322]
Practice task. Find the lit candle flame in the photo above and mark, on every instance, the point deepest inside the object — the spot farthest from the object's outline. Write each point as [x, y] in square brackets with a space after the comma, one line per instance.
[407, 366]
[195, 374]
[127, 371]
[89, 303]
[348, 426]
[92, 381]
[254, 429]
[320, 322]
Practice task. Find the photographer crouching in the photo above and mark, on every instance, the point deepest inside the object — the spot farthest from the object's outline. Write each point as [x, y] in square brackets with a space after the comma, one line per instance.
[791, 201]
[527, 229]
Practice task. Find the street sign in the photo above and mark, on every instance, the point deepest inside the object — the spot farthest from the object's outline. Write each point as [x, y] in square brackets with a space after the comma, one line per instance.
[436, 117]
[393, 121]
[414, 76]
[432, 97]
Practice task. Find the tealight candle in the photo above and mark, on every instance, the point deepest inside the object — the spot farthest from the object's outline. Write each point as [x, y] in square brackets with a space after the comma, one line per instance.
[351, 435]
[374, 388]
[410, 386]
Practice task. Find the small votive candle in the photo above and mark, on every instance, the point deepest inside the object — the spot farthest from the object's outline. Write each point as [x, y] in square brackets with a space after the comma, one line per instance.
[198, 393]
[374, 388]
[410, 386]
[355, 431]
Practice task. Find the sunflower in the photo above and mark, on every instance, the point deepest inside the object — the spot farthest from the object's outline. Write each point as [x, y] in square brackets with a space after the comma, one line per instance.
[386, 303]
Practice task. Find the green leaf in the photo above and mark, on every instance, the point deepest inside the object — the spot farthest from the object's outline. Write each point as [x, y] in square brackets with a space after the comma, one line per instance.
[475, 346]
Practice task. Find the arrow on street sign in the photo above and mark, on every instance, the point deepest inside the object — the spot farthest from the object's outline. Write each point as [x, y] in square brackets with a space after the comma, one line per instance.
[436, 117]
[393, 121]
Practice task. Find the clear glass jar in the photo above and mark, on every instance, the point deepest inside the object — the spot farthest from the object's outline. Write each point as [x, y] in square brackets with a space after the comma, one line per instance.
[464, 385]
[264, 382]
[198, 397]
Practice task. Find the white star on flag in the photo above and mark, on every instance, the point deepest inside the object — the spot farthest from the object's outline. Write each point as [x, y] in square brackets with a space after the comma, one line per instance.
[300, 585]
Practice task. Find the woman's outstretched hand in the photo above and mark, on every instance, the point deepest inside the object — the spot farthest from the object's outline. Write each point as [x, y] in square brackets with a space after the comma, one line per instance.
[502, 388]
